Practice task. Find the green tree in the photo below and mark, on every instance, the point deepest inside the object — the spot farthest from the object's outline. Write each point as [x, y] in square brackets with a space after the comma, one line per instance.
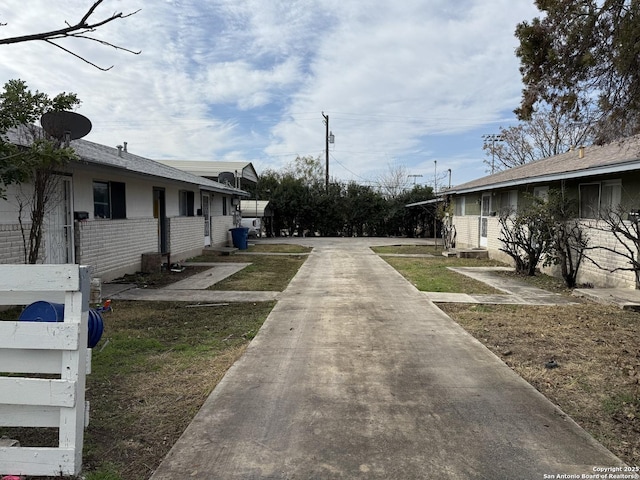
[416, 221]
[579, 51]
[30, 156]
[365, 211]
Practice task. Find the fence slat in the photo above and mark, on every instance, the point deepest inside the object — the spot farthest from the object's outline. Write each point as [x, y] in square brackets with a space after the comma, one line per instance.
[29, 416]
[30, 361]
[58, 348]
[37, 461]
[19, 278]
[39, 335]
[37, 391]
[26, 298]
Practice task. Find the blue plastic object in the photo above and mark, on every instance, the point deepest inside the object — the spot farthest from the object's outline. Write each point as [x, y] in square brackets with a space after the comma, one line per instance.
[42, 311]
[240, 237]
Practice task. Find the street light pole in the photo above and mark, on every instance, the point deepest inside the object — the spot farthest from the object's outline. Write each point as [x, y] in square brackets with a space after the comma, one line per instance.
[435, 177]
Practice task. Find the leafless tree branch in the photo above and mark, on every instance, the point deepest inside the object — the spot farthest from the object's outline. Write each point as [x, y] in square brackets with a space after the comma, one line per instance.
[77, 30]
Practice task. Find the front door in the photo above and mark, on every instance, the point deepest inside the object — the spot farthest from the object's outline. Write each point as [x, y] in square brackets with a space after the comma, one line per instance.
[207, 220]
[59, 245]
[160, 212]
[485, 212]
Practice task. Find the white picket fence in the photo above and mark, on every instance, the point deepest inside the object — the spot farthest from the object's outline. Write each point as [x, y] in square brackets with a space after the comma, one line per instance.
[35, 348]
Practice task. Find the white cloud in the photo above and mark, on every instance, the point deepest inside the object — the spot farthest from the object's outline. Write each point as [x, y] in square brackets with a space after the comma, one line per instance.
[230, 80]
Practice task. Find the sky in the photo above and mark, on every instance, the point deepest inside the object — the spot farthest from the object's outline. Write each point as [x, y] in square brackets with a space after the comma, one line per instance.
[406, 84]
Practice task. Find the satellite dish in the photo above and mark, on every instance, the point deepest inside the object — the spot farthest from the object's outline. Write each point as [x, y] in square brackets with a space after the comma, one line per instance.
[65, 125]
[226, 177]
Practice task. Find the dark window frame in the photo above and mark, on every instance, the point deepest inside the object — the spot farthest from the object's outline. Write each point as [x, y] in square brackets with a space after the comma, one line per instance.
[111, 201]
[187, 203]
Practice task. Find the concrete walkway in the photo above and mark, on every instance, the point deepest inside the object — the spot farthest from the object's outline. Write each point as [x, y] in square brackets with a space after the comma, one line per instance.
[515, 292]
[192, 289]
[356, 374]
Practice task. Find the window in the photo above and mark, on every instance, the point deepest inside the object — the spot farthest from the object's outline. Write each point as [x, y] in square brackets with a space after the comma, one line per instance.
[508, 201]
[597, 198]
[186, 203]
[610, 195]
[541, 192]
[460, 206]
[486, 205]
[109, 200]
[224, 205]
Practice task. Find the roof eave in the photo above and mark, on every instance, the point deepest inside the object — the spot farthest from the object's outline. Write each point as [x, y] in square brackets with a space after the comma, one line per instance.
[555, 177]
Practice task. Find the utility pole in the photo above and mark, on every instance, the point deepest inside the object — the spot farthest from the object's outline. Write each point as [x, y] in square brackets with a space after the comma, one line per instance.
[493, 138]
[326, 149]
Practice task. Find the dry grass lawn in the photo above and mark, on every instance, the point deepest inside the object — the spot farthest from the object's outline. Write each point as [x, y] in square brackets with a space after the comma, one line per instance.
[596, 348]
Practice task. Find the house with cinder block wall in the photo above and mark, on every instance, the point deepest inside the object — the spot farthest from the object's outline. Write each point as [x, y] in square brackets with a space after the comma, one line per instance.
[113, 206]
[598, 177]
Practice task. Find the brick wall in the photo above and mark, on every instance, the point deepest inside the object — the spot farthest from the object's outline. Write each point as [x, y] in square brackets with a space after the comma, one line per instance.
[220, 225]
[590, 273]
[468, 235]
[11, 247]
[115, 247]
[186, 237]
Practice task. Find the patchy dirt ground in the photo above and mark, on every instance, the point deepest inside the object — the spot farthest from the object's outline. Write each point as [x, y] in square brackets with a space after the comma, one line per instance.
[594, 355]
[160, 279]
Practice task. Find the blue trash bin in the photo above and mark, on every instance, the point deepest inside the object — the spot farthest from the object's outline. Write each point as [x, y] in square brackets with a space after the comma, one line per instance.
[240, 237]
[42, 311]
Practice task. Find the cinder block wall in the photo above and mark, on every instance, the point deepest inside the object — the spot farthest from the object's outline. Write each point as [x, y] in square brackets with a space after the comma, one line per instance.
[186, 237]
[220, 235]
[468, 235]
[115, 247]
[590, 273]
[11, 247]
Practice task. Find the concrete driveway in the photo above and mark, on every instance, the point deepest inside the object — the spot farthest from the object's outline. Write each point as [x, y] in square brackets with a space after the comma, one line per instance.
[356, 374]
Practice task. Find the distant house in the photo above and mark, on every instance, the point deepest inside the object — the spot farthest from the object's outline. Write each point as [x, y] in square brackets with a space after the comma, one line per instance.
[257, 215]
[599, 177]
[114, 206]
[243, 173]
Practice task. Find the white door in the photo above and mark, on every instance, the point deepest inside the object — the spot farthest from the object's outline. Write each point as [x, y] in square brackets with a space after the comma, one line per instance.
[207, 220]
[59, 245]
[485, 212]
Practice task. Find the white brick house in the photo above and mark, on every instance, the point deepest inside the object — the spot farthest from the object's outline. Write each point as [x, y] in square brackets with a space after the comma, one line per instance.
[598, 177]
[113, 206]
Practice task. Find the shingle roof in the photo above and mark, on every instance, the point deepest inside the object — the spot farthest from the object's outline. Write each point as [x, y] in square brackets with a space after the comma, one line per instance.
[618, 156]
[90, 152]
[213, 169]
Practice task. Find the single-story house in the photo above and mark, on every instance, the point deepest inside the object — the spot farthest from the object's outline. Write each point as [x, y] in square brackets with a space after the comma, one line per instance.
[600, 178]
[239, 174]
[114, 206]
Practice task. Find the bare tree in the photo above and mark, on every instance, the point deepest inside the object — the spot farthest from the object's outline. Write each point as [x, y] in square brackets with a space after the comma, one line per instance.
[81, 29]
[524, 235]
[624, 225]
[568, 238]
[545, 134]
[395, 181]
